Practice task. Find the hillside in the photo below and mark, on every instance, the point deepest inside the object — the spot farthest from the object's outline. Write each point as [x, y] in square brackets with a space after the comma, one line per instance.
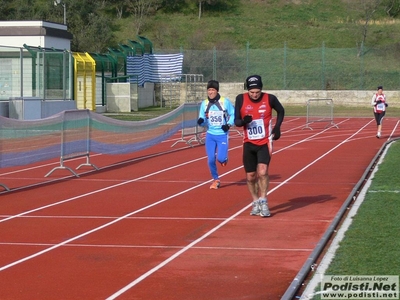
[269, 24]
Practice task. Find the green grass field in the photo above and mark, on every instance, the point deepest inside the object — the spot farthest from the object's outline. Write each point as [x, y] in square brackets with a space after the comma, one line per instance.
[267, 24]
[371, 244]
[296, 44]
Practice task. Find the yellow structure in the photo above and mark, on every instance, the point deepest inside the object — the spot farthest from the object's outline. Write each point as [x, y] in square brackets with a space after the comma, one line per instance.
[84, 81]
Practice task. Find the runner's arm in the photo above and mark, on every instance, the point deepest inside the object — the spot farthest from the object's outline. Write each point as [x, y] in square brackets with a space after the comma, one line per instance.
[238, 105]
[231, 113]
[277, 106]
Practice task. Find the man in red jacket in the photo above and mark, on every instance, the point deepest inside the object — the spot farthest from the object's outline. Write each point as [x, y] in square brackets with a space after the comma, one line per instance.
[253, 112]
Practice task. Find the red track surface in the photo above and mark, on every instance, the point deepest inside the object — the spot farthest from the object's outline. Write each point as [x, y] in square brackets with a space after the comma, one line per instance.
[149, 227]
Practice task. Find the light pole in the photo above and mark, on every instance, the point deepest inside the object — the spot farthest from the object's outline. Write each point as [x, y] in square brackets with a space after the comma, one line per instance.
[56, 2]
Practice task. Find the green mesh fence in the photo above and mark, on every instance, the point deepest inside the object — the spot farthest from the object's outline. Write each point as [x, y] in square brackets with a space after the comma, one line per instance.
[35, 72]
[47, 73]
[52, 74]
[300, 69]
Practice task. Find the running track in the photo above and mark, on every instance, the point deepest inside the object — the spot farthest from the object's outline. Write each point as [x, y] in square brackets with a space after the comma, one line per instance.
[147, 226]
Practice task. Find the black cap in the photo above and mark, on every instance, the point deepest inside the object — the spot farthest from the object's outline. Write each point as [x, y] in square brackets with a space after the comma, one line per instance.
[213, 84]
[254, 82]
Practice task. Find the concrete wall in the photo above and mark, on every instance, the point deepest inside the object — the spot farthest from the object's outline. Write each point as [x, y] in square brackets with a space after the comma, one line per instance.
[351, 98]
[127, 97]
[35, 108]
[4, 109]
[52, 107]
[146, 95]
[118, 97]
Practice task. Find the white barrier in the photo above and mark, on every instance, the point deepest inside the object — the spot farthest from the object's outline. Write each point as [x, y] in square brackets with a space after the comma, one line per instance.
[75, 139]
[320, 110]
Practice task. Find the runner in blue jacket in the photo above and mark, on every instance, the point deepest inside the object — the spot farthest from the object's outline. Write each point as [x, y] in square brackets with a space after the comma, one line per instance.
[217, 114]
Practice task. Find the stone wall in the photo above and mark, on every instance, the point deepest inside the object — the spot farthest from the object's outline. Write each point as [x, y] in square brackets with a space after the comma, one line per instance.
[352, 98]
[347, 97]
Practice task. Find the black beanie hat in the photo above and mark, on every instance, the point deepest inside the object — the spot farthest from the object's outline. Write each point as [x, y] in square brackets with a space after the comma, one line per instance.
[380, 87]
[254, 82]
[213, 84]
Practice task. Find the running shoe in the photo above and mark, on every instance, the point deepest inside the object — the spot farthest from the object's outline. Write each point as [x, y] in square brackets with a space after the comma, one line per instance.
[264, 208]
[215, 185]
[256, 208]
[223, 164]
[378, 135]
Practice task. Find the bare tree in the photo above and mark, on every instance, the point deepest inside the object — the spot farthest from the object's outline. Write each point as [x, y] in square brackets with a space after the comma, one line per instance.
[367, 10]
[201, 2]
[140, 9]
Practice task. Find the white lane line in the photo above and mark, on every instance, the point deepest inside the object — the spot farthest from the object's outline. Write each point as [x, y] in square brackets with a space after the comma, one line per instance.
[192, 244]
[309, 291]
[103, 189]
[158, 218]
[394, 129]
[83, 173]
[102, 226]
[172, 257]
[127, 215]
[310, 138]
[146, 207]
[118, 184]
[161, 247]
[41, 166]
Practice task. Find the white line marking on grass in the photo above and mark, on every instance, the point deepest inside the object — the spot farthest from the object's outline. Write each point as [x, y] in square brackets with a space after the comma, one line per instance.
[309, 291]
[382, 191]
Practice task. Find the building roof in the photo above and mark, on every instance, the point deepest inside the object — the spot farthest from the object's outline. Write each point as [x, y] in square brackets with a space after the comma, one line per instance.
[34, 28]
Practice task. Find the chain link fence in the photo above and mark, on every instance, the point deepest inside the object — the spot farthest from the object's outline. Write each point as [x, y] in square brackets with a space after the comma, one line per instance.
[301, 69]
[48, 73]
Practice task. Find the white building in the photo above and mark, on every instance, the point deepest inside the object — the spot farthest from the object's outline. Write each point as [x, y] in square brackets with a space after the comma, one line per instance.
[35, 33]
[35, 64]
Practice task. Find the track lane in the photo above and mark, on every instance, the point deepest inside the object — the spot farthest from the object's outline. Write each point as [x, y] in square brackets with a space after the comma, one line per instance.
[236, 189]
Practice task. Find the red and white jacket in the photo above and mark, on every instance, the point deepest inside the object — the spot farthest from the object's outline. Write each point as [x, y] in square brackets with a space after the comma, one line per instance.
[258, 131]
[379, 103]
